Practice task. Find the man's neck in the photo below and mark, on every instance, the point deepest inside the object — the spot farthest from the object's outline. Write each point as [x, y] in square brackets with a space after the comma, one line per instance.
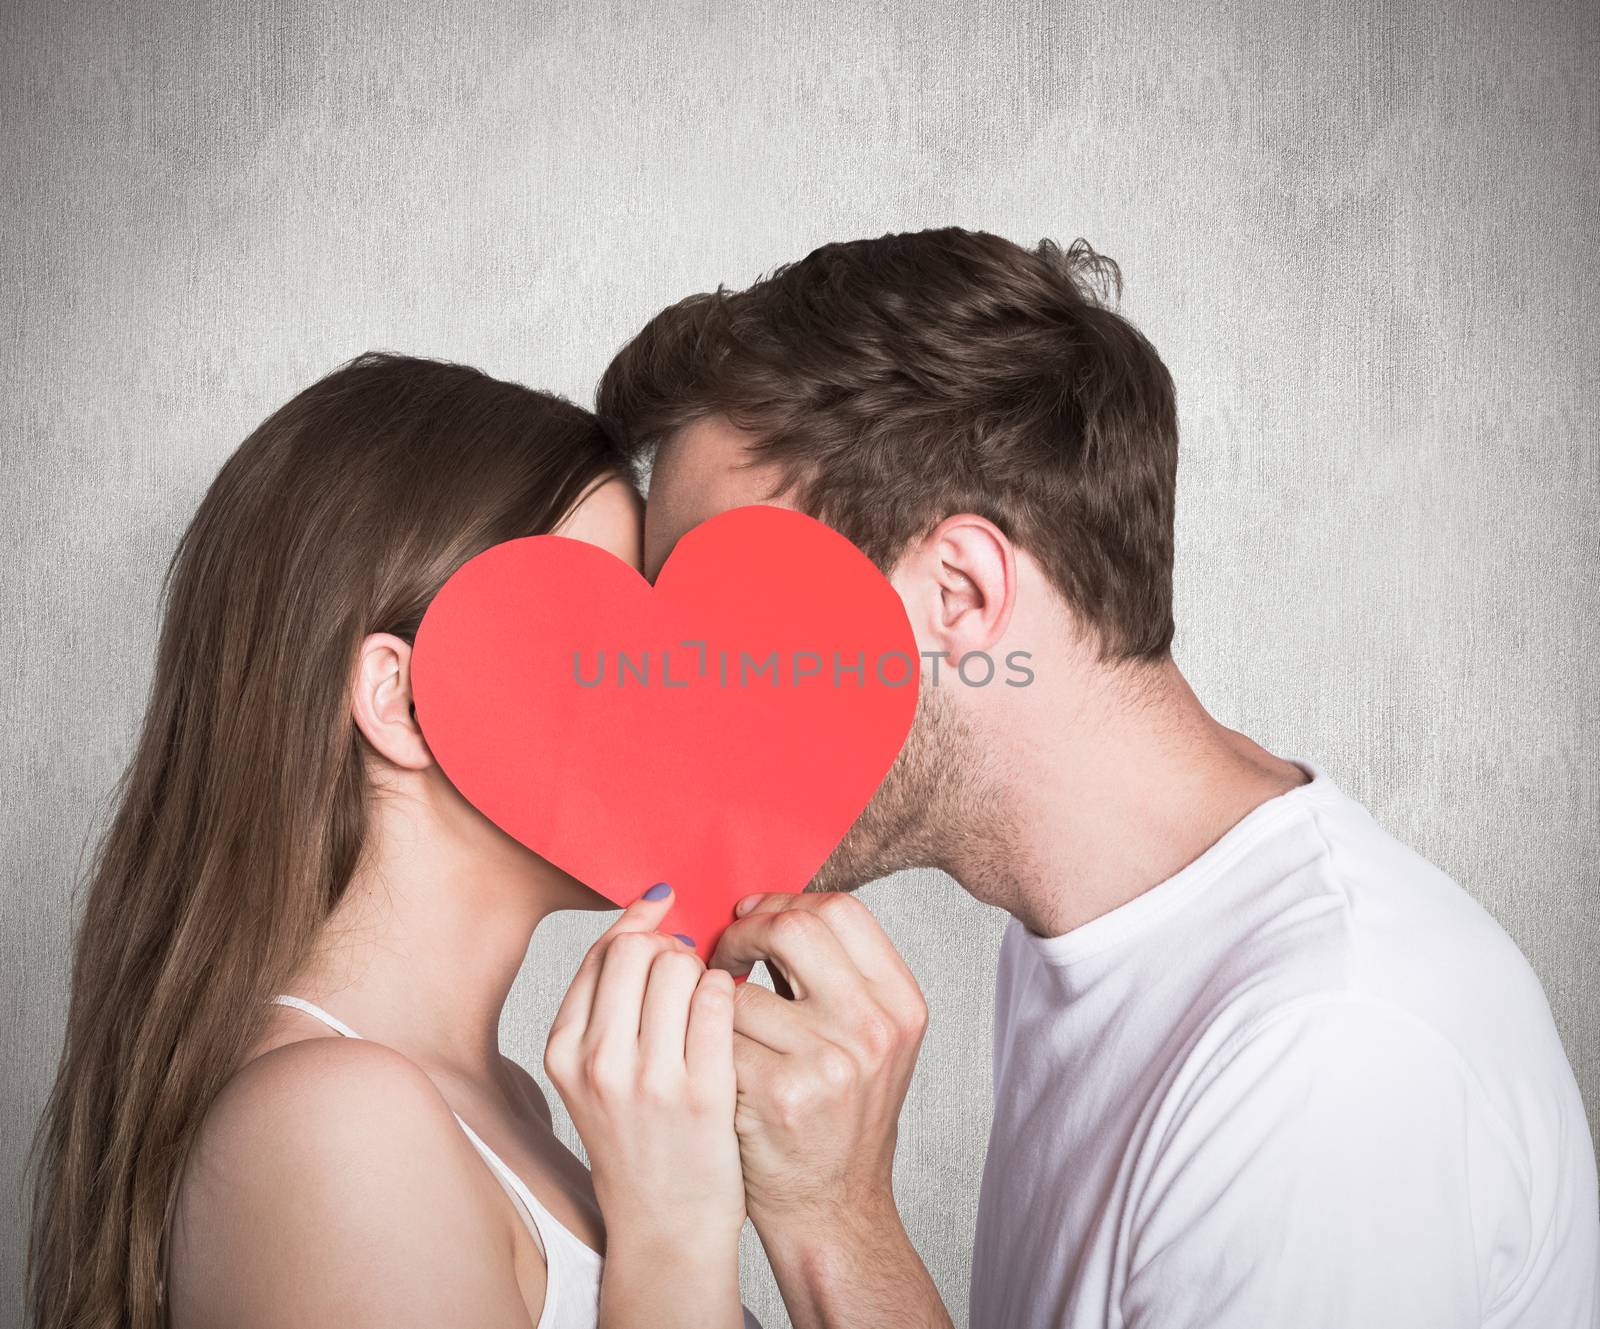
[1136, 783]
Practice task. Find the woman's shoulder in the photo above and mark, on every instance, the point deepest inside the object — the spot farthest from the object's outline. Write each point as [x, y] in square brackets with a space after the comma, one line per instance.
[322, 1096]
[334, 1166]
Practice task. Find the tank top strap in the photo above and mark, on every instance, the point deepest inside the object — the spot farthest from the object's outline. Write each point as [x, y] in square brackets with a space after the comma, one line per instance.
[316, 1013]
[547, 1228]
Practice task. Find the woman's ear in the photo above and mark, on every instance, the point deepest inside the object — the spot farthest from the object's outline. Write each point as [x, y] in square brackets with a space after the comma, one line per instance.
[380, 702]
[959, 585]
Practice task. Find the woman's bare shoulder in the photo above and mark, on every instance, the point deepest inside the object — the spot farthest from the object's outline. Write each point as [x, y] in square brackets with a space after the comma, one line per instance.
[330, 1179]
[316, 1097]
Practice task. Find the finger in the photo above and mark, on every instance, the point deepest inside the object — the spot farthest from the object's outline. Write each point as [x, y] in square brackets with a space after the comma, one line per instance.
[861, 935]
[768, 1019]
[806, 949]
[619, 992]
[664, 1020]
[708, 1043]
[643, 915]
[754, 1067]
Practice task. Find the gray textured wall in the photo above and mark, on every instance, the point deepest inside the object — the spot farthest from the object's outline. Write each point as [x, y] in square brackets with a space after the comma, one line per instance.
[1364, 236]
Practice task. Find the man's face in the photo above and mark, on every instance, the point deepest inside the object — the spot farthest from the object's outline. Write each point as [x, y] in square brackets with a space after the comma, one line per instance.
[703, 469]
[707, 468]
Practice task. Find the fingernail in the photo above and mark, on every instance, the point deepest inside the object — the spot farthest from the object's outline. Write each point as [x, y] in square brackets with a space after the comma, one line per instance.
[659, 891]
[687, 941]
[745, 906]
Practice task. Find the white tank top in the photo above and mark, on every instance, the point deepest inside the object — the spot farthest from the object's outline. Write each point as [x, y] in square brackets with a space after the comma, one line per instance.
[572, 1267]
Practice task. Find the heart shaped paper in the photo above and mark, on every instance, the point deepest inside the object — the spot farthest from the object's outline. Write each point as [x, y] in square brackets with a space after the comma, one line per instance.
[720, 730]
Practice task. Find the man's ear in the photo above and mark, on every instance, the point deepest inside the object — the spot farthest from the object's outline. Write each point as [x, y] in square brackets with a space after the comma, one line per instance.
[380, 702]
[959, 585]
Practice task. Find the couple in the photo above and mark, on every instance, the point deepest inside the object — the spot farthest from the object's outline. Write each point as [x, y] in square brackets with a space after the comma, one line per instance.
[1255, 1062]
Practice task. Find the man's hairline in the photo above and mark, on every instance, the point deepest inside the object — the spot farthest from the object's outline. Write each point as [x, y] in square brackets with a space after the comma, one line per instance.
[1060, 604]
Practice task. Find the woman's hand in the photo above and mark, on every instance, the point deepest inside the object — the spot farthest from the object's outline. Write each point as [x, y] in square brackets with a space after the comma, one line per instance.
[641, 1052]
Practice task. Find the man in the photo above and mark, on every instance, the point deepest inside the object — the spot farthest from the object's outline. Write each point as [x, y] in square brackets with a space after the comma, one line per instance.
[1255, 1063]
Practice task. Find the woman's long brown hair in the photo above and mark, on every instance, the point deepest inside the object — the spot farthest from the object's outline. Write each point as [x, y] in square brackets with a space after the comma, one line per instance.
[242, 813]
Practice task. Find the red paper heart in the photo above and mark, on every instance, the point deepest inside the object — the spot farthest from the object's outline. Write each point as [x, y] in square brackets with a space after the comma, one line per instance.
[698, 767]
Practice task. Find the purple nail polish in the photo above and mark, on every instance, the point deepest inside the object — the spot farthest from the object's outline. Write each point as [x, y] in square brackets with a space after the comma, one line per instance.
[687, 941]
[659, 891]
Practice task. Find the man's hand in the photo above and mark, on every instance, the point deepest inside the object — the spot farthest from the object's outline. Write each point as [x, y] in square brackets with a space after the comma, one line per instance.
[821, 1079]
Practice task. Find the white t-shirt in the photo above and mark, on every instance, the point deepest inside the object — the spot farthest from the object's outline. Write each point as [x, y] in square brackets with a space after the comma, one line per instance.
[1305, 1083]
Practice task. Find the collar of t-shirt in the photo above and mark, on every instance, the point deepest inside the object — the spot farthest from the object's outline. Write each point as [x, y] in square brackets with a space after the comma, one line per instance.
[1096, 942]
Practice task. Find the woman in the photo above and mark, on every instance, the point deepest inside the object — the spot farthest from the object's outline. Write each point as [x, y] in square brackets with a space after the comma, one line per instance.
[281, 1100]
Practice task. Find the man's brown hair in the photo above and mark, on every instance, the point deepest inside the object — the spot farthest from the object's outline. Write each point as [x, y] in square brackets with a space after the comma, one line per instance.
[904, 379]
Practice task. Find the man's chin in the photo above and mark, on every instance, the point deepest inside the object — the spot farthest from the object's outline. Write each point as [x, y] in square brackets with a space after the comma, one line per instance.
[844, 873]
[833, 885]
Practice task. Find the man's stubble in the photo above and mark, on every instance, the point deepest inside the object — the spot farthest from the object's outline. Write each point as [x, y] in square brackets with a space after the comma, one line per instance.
[939, 806]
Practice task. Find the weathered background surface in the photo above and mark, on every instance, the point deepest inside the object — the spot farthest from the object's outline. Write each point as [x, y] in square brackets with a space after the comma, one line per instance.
[1366, 237]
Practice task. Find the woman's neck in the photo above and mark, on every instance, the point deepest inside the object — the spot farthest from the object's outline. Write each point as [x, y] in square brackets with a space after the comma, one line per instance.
[423, 947]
